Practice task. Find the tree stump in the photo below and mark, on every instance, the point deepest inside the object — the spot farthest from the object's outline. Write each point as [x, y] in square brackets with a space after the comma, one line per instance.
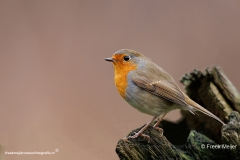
[195, 136]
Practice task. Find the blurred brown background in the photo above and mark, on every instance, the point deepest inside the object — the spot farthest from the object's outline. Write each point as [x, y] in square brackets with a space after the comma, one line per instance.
[57, 92]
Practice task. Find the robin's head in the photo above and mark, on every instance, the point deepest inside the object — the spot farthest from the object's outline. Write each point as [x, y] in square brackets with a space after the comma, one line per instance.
[126, 59]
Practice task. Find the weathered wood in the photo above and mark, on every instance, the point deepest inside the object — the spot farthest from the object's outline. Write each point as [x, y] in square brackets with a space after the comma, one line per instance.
[206, 88]
[208, 139]
[226, 87]
[231, 134]
[197, 146]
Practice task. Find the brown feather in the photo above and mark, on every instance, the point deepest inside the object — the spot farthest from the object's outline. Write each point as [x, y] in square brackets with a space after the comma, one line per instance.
[162, 89]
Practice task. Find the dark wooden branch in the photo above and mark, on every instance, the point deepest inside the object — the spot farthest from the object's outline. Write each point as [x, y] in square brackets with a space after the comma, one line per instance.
[207, 139]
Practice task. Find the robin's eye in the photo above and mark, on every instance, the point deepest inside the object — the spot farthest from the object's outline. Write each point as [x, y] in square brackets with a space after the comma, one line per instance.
[126, 58]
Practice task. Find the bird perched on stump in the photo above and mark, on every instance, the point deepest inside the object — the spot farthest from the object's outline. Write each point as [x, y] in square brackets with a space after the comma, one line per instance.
[149, 88]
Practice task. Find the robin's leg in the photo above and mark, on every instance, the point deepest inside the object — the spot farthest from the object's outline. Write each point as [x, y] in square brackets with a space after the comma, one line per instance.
[140, 133]
[158, 122]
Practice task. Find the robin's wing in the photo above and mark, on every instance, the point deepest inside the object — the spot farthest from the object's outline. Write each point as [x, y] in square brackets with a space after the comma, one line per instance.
[162, 88]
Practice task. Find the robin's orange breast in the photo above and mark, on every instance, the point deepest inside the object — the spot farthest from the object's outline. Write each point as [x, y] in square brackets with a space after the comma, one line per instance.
[121, 71]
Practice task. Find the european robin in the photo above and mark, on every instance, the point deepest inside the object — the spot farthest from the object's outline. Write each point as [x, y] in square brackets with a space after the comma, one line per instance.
[149, 88]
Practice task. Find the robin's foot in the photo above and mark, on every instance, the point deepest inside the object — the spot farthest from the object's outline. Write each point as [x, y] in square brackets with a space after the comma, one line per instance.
[160, 130]
[140, 134]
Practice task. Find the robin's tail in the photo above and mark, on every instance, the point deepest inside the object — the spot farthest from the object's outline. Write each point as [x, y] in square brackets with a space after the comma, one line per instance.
[193, 106]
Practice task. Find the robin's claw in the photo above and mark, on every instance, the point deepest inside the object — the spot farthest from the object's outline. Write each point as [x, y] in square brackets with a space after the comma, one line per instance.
[135, 135]
[140, 134]
[160, 130]
[146, 137]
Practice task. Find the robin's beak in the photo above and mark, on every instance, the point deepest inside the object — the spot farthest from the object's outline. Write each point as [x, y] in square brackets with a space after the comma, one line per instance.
[109, 59]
